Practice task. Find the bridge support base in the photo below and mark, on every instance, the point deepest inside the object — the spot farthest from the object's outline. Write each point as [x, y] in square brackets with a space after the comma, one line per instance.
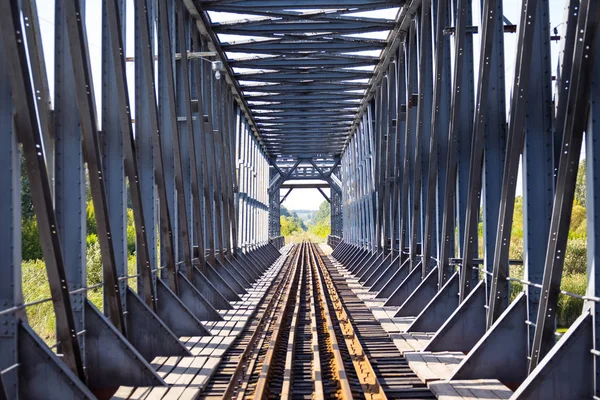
[406, 288]
[42, 375]
[148, 333]
[421, 296]
[373, 275]
[502, 352]
[565, 372]
[387, 274]
[209, 292]
[465, 326]
[390, 286]
[195, 302]
[439, 308]
[175, 314]
[111, 361]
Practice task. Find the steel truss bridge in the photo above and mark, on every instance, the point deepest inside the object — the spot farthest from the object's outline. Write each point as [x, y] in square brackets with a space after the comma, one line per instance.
[201, 116]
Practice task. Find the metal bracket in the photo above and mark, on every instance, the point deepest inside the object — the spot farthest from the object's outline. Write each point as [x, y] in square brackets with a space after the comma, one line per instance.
[111, 361]
[421, 296]
[439, 308]
[3, 394]
[565, 372]
[195, 302]
[175, 314]
[386, 275]
[42, 375]
[374, 274]
[209, 292]
[148, 333]
[392, 284]
[406, 288]
[502, 352]
[229, 277]
[465, 326]
[220, 284]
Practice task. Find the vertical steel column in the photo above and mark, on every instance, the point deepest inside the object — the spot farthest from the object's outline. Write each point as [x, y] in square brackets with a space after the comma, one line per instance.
[26, 127]
[465, 129]
[146, 91]
[458, 104]
[488, 130]
[169, 126]
[229, 144]
[423, 134]
[212, 148]
[164, 38]
[380, 162]
[392, 146]
[119, 121]
[82, 77]
[399, 191]
[412, 88]
[111, 139]
[575, 123]
[438, 144]
[592, 149]
[184, 128]
[538, 163]
[207, 155]
[144, 144]
[516, 135]
[69, 181]
[185, 109]
[222, 181]
[11, 294]
[199, 149]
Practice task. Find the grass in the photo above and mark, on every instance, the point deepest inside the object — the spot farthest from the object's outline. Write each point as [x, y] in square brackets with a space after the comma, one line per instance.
[35, 287]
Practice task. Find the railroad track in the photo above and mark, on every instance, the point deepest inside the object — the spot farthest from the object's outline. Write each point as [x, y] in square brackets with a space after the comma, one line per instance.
[304, 343]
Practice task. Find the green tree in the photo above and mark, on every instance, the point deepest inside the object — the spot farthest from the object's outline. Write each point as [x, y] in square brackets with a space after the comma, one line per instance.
[289, 225]
[580, 186]
[321, 223]
[323, 215]
[27, 211]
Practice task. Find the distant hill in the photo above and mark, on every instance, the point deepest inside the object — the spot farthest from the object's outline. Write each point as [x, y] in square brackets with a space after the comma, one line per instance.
[306, 215]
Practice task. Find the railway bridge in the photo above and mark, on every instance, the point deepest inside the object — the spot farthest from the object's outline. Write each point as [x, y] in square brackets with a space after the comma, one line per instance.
[438, 130]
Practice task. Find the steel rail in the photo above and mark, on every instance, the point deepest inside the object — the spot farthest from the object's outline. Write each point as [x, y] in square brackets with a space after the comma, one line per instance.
[245, 359]
[286, 389]
[364, 370]
[340, 369]
[261, 385]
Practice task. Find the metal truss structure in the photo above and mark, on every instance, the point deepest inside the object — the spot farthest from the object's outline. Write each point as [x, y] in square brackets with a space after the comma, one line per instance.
[396, 115]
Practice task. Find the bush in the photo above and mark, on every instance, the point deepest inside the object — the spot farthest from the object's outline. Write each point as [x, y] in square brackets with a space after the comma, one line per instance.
[90, 216]
[321, 230]
[93, 261]
[569, 308]
[516, 271]
[130, 232]
[31, 248]
[576, 257]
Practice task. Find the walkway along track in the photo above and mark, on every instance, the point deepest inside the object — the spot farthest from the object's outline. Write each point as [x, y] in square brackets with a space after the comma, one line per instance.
[303, 343]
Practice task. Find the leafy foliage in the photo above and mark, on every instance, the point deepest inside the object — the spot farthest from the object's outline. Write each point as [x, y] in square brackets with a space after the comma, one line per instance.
[290, 222]
[31, 248]
[580, 186]
[321, 225]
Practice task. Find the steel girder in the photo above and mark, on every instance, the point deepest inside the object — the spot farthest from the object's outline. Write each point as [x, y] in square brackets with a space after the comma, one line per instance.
[295, 62]
[190, 168]
[428, 155]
